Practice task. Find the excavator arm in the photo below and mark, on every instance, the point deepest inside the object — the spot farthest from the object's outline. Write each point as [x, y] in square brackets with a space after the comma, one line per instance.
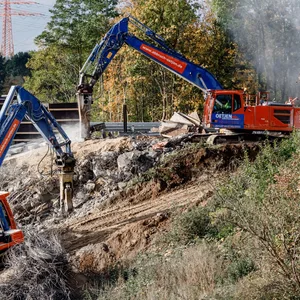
[20, 104]
[159, 52]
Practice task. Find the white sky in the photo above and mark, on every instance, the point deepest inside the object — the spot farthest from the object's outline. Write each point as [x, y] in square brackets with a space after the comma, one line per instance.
[26, 28]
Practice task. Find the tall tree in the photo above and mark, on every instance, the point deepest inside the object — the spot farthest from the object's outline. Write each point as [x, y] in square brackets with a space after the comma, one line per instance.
[54, 75]
[16, 66]
[71, 34]
[13, 71]
[170, 19]
[77, 25]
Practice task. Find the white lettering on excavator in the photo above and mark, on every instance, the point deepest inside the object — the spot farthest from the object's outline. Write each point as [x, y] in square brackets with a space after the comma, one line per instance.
[224, 117]
[168, 60]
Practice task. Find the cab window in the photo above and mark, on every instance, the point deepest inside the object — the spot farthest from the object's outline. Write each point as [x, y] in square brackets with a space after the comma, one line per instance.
[223, 104]
[5, 213]
[237, 102]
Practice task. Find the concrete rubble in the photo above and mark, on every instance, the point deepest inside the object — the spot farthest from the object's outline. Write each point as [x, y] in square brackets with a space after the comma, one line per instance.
[180, 124]
[99, 177]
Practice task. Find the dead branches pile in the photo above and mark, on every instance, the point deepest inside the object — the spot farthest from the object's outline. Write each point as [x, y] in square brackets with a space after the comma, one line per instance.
[36, 270]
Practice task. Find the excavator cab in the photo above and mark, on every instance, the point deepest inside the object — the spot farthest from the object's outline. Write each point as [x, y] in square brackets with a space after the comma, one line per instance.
[224, 109]
[9, 234]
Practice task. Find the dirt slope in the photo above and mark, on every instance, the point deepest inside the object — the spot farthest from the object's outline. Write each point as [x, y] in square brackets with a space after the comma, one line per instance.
[99, 234]
[120, 231]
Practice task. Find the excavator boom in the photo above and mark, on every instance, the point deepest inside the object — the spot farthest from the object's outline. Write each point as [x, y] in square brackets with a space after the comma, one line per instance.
[159, 52]
[119, 34]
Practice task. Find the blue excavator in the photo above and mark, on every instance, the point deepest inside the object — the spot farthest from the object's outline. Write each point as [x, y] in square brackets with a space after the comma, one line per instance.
[18, 105]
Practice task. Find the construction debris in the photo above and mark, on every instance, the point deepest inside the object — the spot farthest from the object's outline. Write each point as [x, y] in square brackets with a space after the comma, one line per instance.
[38, 269]
[180, 124]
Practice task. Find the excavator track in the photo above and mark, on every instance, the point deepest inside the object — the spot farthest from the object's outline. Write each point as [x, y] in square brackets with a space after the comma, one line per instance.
[235, 138]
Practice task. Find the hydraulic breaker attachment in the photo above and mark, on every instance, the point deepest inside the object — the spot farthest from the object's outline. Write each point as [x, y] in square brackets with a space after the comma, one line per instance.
[66, 189]
[84, 100]
[66, 171]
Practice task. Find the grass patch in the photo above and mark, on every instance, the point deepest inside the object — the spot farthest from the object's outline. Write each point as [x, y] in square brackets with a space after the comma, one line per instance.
[187, 274]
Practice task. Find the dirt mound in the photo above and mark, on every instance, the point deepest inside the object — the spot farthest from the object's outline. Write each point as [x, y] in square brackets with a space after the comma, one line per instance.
[119, 232]
[125, 243]
[187, 165]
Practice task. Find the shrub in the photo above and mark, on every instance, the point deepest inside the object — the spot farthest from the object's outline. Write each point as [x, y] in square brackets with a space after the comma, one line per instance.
[262, 199]
[239, 268]
[190, 226]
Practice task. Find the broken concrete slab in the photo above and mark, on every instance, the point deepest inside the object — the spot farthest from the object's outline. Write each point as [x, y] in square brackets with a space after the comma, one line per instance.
[194, 115]
[180, 124]
[16, 150]
[175, 132]
[181, 118]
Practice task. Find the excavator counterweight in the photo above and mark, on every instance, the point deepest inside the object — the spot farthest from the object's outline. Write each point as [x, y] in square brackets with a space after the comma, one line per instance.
[9, 234]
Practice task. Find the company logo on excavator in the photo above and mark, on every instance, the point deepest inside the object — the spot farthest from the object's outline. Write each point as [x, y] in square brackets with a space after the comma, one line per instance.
[226, 117]
[173, 63]
[9, 135]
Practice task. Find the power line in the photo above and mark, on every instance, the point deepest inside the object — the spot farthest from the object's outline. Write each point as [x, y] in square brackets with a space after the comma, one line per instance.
[7, 46]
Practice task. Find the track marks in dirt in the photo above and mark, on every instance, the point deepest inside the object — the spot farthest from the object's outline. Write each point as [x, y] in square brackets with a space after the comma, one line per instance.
[121, 231]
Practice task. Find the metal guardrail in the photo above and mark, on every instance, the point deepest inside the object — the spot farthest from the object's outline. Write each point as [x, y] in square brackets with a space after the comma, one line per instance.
[131, 126]
[67, 114]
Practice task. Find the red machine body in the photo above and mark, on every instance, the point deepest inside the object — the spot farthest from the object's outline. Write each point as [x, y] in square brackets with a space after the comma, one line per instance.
[240, 112]
[10, 235]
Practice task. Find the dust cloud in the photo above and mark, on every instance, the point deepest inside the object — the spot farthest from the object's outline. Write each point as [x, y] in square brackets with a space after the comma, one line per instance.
[268, 33]
[73, 132]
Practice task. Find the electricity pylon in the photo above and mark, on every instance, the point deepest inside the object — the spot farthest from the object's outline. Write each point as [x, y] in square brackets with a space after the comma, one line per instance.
[7, 44]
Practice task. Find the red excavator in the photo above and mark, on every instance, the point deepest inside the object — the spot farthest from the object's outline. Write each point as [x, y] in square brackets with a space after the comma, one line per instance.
[228, 114]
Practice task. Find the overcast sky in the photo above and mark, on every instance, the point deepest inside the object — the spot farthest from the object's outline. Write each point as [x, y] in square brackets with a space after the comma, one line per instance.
[26, 28]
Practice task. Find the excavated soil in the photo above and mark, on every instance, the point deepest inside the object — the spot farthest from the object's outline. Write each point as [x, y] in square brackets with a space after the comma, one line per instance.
[98, 237]
[119, 230]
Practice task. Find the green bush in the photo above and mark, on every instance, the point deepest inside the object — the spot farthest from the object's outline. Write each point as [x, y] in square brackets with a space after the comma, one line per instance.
[262, 199]
[190, 226]
[239, 268]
